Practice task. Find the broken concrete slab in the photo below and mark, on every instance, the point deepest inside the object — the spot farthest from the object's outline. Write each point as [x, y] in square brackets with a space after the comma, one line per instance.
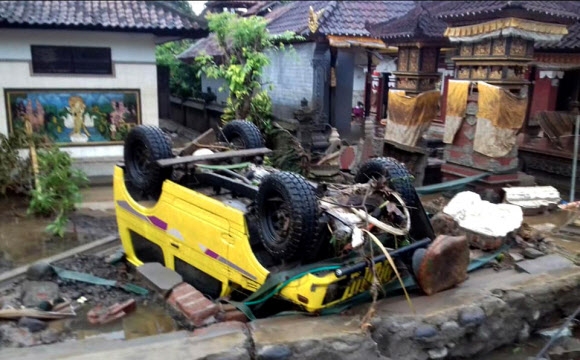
[531, 253]
[35, 292]
[162, 279]
[299, 337]
[544, 264]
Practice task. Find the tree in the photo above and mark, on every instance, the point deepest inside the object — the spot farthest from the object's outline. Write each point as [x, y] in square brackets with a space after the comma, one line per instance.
[245, 42]
[183, 79]
[183, 6]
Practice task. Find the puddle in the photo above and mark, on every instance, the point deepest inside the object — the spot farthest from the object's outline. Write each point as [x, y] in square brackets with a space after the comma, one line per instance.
[23, 238]
[146, 320]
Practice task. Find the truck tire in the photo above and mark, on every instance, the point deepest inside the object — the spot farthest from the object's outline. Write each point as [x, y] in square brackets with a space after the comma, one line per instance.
[288, 216]
[144, 145]
[242, 134]
[399, 179]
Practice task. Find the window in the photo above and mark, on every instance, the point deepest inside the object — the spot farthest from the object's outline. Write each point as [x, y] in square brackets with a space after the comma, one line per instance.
[71, 60]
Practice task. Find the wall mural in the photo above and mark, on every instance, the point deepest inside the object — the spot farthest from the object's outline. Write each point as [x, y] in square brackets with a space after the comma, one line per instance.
[75, 116]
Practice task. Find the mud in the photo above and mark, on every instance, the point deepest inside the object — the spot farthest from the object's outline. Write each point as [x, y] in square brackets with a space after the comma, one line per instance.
[23, 238]
[151, 317]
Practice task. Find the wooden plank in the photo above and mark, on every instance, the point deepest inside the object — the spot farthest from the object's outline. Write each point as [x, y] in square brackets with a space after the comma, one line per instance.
[216, 156]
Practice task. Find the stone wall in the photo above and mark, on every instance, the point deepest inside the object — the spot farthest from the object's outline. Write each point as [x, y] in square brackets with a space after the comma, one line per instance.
[291, 75]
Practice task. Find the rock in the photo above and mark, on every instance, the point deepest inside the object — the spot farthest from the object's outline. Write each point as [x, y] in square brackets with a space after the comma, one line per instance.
[34, 292]
[437, 353]
[471, 316]
[38, 271]
[444, 224]
[531, 253]
[49, 337]
[275, 352]
[444, 265]
[33, 325]
[451, 329]
[161, 278]
[13, 336]
[530, 234]
[515, 256]
[485, 242]
[524, 333]
[425, 331]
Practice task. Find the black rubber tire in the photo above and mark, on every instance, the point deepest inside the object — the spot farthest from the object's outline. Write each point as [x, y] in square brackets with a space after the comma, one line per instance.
[242, 131]
[144, 145]
[290, 195]
[400, 180]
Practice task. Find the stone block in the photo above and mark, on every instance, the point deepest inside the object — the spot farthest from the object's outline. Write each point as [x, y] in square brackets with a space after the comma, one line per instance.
[544, 264]
[444, 265]
[162, 279]
[299, 337]
[191, 303]
[35, 292]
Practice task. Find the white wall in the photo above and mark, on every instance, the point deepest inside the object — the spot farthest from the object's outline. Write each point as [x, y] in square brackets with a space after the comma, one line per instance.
[133, 58]
[291, 74]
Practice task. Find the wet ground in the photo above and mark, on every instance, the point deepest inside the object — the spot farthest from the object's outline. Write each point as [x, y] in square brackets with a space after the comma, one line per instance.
[151, 317]
[23, 238]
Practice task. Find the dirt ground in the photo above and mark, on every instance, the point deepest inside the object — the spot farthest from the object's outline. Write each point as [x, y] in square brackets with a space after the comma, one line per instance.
[23, 238]
[151, 317]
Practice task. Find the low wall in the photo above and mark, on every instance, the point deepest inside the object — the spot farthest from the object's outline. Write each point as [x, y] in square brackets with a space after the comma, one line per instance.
[195, 114]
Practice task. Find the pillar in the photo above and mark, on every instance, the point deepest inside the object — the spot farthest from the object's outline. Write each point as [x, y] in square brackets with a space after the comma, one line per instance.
[545, 91]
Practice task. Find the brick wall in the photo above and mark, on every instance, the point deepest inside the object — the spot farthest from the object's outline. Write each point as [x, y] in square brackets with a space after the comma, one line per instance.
[544, 97]
[291, 74]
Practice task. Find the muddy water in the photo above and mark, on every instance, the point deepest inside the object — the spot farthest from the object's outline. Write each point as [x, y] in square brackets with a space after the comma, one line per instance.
[147, 320]
[23, 238]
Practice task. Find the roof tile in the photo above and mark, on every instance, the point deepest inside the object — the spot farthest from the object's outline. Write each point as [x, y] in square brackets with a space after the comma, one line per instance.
[130, 14]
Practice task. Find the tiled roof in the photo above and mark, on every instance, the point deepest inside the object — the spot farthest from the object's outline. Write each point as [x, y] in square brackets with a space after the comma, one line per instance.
[208, 45]
[554, 9]
[571, 41]
[419, 23]
[348, 17]
[145, 16]
[338, 17]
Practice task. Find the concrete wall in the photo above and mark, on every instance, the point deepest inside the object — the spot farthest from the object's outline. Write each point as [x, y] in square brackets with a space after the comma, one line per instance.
[134, 67]
[291, 74]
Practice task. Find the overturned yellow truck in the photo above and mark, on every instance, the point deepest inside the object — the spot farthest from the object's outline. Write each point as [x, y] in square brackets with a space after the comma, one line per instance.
[235, 228]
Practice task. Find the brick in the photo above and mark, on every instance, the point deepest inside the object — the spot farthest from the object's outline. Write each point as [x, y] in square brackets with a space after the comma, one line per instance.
[191, 303]
[232, 315]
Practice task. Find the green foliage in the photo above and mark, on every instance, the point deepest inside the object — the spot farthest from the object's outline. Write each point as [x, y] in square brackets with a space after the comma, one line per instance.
[245, 42]
[182, 6]
[58, 190]
[16, 171]
[183, 78]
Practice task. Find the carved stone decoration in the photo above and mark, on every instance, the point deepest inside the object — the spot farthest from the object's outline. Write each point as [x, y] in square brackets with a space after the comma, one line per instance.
[313, 17]
[482, 49]
[495, 72]
[471, 120]
[429, 60]
[466, 50]
[402, 64]
[321, 79]
[518, 47]
[405, 83]
[463, 72]
[414, 60]
[480, 72]
[498, 48]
